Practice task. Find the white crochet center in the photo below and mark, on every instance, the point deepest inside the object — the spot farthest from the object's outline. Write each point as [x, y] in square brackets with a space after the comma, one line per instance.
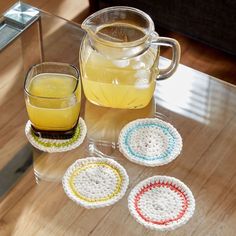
[149, 141]
[160, 204]
[96, 182]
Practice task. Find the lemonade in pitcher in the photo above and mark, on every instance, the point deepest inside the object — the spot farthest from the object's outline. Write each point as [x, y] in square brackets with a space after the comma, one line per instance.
[119, 83]
[119, 58]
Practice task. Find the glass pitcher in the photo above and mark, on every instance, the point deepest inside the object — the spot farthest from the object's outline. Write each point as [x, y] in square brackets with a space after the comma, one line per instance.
[119, 58]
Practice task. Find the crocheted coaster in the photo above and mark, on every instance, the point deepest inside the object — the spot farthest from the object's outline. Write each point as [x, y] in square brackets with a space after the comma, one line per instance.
[57, 145]
[95, 182]
[161, 203]
[150, 142]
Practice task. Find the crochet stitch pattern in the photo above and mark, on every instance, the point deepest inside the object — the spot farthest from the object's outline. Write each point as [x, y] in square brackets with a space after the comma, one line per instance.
[94, 182]
[150, 142]
[57, 145]
[161, 203]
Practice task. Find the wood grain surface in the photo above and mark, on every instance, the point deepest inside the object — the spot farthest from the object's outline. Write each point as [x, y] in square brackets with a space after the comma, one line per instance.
[202, 108]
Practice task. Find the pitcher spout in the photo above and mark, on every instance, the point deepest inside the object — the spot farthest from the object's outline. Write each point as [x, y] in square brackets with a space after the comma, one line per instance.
[89, 25]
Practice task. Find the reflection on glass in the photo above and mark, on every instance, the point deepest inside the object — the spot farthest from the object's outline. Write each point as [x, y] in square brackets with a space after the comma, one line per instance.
[195, 95]
[50, 167]
[105, 124]
[186, 93]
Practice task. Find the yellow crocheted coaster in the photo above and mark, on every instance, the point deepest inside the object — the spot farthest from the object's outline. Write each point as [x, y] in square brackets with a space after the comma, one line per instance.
[85, 168]
[95, 182]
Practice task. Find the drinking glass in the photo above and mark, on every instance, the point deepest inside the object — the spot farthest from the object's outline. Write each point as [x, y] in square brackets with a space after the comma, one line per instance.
[53, 99]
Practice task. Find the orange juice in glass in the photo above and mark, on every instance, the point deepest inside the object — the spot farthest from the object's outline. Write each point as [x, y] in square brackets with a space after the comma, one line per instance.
[53, 98]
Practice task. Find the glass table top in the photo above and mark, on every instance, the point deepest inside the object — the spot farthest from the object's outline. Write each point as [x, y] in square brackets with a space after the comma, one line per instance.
[202, 108]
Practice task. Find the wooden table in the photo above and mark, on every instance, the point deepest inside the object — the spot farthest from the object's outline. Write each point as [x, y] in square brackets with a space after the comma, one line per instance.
[201, 107]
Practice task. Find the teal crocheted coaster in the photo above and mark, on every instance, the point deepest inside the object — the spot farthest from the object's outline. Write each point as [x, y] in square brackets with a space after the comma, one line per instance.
[57, 145]
[150, 142]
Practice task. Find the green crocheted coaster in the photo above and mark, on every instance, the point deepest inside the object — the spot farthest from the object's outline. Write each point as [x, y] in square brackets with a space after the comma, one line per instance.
[57, 145]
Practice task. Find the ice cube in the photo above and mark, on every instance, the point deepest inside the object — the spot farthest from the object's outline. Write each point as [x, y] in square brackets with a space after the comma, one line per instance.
[121, 63]
[142, 81]
[138, 65]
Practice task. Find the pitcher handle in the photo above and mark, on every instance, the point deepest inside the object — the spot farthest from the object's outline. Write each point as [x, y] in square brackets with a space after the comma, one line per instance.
[169, 42]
